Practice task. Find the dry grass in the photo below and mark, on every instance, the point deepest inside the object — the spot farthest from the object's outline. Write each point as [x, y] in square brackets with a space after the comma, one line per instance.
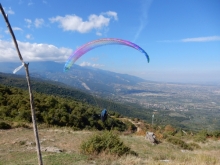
[18, 147]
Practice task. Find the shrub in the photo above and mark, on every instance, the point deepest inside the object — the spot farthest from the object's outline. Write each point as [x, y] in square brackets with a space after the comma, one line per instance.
[179, 143]
[194, 145]
[107, 142]
[215, 134]
[4, 125]
[201, 136]
[169, 130]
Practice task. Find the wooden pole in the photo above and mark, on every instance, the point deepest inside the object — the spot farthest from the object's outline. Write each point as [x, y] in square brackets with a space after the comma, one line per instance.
[40, 161]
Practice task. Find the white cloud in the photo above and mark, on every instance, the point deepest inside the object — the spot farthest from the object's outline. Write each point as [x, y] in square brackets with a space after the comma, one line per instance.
[38, 22]
[76, 23]
[145, 5]
[112, 14]
[9, 11]
[17, 29]
[33, 52]
[28, 21]
[202, 39]
[197, 39]
[14, 29]
[90, 64]
[29, 36]
[98, 34]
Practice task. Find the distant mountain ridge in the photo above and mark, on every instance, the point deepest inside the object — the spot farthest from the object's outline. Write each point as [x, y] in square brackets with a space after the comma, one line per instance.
[84, 78]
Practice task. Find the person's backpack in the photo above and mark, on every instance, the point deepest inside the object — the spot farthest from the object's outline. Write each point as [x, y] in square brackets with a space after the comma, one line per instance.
[104, 115]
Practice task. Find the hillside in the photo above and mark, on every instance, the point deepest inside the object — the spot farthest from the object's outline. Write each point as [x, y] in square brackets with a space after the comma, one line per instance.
[62, 146]
[61, 110]
[57, 89]
[52, 110]
[89, 79]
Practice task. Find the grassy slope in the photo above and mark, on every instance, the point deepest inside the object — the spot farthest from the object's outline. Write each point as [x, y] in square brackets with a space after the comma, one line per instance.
[17, 147]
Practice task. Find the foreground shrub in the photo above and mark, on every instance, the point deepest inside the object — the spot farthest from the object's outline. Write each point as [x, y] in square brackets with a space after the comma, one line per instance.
[107, 142]
[4, 125]
[179, 143]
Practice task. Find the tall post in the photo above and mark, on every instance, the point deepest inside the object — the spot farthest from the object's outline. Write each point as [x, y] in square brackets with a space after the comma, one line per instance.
[33, 116]
[152, 119]
[40, 161]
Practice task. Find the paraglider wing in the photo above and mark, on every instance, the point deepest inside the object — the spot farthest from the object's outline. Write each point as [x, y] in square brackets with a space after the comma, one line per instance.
[97, 43]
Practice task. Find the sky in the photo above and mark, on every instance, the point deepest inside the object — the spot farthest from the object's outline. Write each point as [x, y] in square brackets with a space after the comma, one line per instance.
[181, 37]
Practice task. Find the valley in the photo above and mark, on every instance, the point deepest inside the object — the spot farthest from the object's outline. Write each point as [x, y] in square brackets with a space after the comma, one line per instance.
[198, 104]
[195, 106]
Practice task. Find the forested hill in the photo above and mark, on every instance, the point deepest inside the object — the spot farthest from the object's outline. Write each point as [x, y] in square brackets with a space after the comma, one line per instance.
[62, 90]
[56, 89]
[51, 110]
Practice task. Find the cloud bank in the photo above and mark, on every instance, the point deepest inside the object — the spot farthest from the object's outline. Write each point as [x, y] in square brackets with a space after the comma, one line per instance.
[32, 52]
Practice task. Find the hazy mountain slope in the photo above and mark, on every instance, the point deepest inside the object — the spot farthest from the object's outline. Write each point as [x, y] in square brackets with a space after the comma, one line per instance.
[88, 79]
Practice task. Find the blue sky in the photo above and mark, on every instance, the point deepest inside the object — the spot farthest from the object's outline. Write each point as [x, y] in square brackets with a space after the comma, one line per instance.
[182, 37]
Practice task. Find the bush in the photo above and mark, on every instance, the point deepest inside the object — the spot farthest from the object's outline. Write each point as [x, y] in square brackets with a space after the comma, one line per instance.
[215, 134]
[169, 130]
[194, 145]
[107, 142]
[201, 136]
[4, 125]
[179, 143]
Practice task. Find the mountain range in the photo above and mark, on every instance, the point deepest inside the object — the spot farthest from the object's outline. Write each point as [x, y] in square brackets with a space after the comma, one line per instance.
[88, 79]
[188, 105]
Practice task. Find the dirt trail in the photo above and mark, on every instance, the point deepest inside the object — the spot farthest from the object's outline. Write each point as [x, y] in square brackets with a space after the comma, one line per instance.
[137, 124]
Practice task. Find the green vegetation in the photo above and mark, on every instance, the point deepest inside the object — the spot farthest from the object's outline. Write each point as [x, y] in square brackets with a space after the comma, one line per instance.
[202, 135]
[4, 125]
[59, 115]
[61, 90]
[107, 142]
[18, 147]
[52, 110]
[179, 143]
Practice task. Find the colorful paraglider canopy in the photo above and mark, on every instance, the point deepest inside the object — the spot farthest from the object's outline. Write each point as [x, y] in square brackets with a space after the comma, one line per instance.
[97, 43]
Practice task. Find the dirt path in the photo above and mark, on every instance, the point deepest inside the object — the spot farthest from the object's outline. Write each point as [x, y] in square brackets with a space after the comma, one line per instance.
[137, 124]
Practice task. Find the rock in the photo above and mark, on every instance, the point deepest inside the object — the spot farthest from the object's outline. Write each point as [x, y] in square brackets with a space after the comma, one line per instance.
[151, 137]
